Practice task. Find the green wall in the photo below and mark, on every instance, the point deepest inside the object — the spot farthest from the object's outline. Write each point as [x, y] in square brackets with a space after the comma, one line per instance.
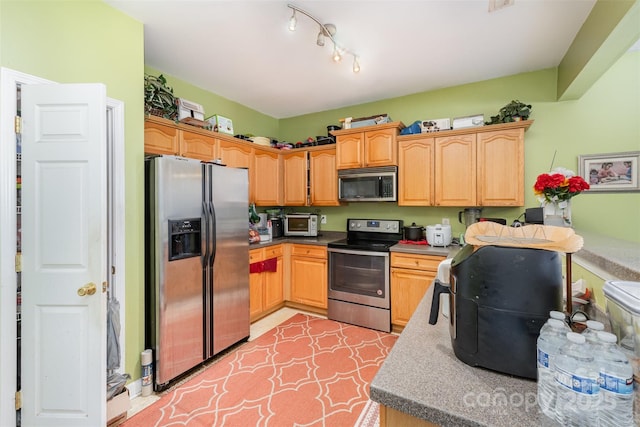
[87, 42]
[245, 120]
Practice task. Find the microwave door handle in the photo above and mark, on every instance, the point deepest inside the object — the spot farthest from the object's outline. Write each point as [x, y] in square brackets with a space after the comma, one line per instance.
[380, 186]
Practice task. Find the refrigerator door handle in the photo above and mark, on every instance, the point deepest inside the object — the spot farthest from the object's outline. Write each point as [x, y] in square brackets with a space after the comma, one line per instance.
[205, 241]
[213, 233]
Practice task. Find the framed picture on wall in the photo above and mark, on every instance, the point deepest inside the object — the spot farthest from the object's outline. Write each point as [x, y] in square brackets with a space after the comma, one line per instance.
[612, 172]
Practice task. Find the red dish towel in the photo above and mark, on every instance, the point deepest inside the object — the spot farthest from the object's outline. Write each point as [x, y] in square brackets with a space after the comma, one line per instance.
[414, 242]
[270, 265]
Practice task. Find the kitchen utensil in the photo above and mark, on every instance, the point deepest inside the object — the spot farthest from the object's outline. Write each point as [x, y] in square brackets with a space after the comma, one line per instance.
[439, 235]
[332, 127]
[413, 232]
[471, 216]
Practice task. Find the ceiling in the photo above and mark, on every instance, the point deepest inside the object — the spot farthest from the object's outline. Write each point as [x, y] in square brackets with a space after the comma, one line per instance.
[244, 51]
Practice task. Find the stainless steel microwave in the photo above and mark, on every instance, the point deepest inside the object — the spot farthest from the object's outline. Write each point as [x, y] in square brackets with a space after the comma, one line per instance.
[368, 184]
[301, 224]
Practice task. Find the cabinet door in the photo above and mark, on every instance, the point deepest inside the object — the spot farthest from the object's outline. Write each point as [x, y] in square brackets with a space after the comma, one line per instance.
[407, 290]
[197, 146]
[415, 172]
[234, 155]
[160, 139]
[256, 305]
[455, 170]
[501, 168]
[273, 290]
[266, 178]
[324, 178]
[380, 148]
[349, 153]
[295, 178]
[309, 281]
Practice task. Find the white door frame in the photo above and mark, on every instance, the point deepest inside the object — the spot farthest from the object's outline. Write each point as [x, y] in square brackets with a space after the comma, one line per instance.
[9, 80]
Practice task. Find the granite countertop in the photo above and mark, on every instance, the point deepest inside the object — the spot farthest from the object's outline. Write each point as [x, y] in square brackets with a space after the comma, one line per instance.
[448, 251]
[423, 378]
[323, 238]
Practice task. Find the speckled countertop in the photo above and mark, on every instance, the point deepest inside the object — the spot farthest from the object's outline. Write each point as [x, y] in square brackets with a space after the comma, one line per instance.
[321, 240]
[423, 378]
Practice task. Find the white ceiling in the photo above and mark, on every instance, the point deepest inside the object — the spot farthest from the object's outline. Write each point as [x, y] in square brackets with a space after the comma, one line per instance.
[244, 51]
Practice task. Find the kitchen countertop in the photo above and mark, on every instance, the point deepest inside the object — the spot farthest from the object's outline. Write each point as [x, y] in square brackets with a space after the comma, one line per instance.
[321, 240]
[422, 377]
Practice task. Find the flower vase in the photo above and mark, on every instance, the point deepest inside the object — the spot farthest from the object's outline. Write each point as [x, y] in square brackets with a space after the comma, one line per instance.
[557, 213]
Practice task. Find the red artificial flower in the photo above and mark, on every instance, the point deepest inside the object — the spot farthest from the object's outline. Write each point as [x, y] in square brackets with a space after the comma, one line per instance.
[557, 187]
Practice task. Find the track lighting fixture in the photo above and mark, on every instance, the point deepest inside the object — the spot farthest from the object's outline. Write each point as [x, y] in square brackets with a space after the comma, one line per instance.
[325, 31]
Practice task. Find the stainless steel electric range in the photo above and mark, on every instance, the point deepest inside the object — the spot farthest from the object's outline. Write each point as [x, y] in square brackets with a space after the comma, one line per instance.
[359, 270]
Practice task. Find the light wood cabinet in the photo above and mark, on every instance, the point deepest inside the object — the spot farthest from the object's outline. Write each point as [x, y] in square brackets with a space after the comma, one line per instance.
[501, 167]
[415, 171]
[233, 154]
[368, 146]
[295, 178]
[266, 178]
[197, 146]
[308, 279]
[464, 167]
[411, 276]
[160, 139]
[324, 178]
[455, 170]
[266, 287]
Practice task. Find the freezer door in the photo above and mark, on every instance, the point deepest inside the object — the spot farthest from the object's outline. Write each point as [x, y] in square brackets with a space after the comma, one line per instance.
[226, 195]
[175, 279]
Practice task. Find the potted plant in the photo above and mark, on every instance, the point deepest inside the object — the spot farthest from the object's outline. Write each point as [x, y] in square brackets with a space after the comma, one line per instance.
[158, 97]
[512, 112]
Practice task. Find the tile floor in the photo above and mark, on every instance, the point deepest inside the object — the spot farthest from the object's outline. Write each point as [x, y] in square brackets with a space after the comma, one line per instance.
[257, 328]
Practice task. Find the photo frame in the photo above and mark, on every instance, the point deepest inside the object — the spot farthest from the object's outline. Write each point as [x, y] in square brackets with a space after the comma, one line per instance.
[611, 172]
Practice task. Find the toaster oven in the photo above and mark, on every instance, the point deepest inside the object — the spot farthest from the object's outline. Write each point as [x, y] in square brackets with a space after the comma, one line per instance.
[301, 224]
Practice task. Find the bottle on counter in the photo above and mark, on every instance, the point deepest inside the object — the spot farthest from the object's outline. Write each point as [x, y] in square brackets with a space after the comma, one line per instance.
[558, 315]
[616, 383]
[576, 375]
[552, 337]
[591, 333]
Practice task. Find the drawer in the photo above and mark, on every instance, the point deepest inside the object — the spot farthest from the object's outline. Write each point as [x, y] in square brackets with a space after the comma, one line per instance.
[273, 251]
[419, 262]
[309, 251]
[256, 255]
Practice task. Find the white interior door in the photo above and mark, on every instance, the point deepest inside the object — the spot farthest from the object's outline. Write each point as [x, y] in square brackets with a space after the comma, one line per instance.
[64, 207]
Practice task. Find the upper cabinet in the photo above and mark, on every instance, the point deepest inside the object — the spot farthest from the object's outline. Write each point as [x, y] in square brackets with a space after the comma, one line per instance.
[266, 178]
[368, 146]
[295, 181]
[163, 137]
[481, 166]
[323, 187]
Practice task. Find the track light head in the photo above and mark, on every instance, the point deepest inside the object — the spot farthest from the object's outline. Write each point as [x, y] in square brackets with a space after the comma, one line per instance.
[293, 21]
[356, 64]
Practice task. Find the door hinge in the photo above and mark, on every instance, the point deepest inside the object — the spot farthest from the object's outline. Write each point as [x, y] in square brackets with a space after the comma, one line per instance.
[17, 125]
[18, 400]
[18, 262]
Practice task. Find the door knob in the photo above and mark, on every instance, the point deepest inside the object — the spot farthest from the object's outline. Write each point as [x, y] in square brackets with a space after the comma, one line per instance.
[88, 289]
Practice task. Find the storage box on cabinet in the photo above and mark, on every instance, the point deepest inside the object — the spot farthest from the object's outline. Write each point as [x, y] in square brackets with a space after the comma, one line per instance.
[411, 276]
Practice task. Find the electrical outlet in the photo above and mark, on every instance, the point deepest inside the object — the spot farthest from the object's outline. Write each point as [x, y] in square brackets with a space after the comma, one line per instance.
[323, 219]
[445, 221]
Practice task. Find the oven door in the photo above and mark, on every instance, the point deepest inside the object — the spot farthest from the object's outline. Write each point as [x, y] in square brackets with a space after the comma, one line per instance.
[358, 276]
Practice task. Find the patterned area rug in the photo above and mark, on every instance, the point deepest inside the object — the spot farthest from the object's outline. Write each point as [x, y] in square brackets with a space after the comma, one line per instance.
[307, 371]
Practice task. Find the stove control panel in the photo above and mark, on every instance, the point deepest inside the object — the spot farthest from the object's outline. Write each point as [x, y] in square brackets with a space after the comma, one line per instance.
[375, 225]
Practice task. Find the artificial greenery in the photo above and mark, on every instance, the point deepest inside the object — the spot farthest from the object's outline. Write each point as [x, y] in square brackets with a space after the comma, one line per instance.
[158, 97]
[513, 111]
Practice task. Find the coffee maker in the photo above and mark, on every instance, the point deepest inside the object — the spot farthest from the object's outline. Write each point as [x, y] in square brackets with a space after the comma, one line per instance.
[471, 216]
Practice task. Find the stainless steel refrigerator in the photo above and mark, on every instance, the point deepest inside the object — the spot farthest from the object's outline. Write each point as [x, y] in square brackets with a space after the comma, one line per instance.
[197, 262]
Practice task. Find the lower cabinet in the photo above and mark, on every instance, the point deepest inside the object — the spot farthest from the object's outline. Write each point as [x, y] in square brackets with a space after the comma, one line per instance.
[266, 283]
[309, 275]
[411, 276]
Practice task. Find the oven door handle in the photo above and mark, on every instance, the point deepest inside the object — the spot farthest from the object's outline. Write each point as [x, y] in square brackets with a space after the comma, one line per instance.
[357, 252]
